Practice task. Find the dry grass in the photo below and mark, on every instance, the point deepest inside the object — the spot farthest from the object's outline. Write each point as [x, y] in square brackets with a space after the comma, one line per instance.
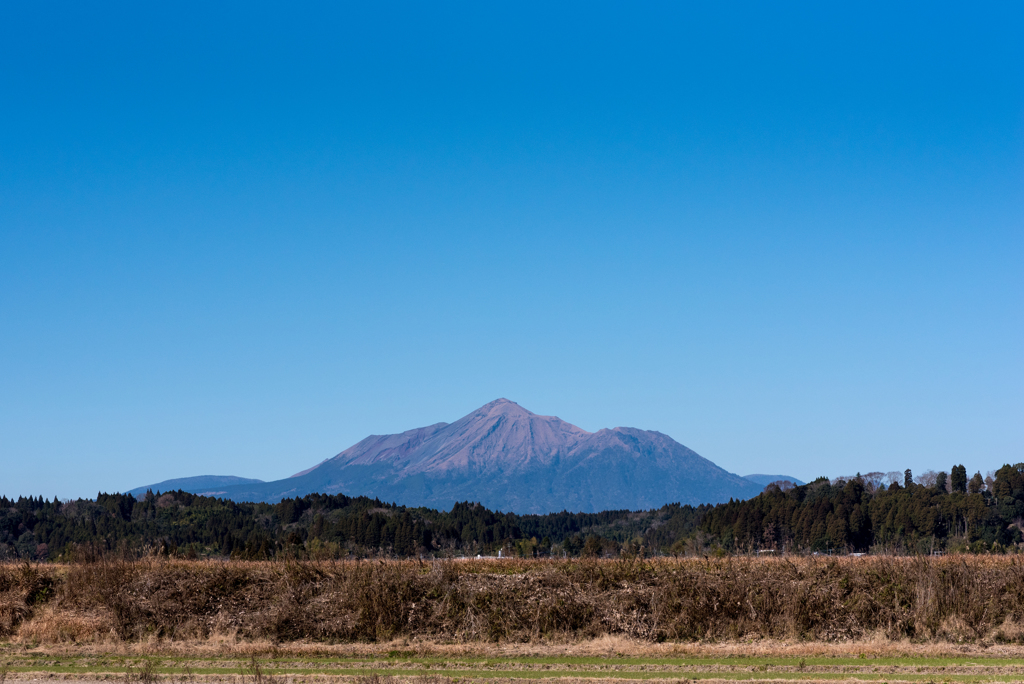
[144, 674]
[957, 599]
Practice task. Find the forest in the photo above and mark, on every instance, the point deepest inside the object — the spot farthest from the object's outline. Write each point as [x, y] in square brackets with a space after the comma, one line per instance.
[936, 513]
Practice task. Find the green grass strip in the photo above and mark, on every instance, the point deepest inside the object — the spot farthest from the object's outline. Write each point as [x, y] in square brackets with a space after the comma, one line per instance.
[364, 662]
[540, 675]
[611, 661]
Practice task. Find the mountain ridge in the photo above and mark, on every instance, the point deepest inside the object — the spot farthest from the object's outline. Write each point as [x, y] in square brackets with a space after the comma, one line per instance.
[200, 484]
[765, 480]
[511, 459]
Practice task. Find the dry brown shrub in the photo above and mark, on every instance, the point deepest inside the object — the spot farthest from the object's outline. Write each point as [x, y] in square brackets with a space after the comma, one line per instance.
[13, 610]
[22, 586]
[49, 625]
[145, 673]
[253, 672]
[950, 599]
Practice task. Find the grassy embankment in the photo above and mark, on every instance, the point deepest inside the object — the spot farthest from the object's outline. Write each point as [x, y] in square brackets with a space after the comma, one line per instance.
[886, 619]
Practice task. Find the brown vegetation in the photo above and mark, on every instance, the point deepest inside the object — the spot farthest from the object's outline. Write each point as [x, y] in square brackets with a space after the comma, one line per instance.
[956, 598]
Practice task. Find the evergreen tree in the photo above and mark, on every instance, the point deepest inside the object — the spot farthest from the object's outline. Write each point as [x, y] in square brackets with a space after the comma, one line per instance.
[958, 479]
[850, 514]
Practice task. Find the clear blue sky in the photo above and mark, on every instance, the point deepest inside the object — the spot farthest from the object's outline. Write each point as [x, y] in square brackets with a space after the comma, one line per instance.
[238, 238]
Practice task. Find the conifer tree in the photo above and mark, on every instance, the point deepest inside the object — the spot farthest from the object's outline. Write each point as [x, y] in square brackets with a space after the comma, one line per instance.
[958, 479]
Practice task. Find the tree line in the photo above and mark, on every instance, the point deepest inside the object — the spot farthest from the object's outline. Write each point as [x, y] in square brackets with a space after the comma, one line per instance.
[893, 513]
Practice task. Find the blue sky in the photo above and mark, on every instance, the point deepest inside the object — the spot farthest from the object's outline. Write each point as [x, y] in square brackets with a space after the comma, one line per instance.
[236, 239]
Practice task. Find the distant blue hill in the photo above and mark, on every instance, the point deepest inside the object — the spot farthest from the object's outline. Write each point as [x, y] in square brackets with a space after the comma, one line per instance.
[765, 480]
[201, 484]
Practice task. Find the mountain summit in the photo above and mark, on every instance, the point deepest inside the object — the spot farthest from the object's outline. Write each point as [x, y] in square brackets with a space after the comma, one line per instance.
[511, 459]
[501, 437]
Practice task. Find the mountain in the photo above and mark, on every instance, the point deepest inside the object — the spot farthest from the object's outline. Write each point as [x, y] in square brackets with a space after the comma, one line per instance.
[765, 480]
[510, 459]
[210, 485]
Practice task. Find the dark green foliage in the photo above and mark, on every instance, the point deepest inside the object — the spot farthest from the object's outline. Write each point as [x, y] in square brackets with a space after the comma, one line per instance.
[318, 525]
[855, 514]
[848, 516]
[958, 479]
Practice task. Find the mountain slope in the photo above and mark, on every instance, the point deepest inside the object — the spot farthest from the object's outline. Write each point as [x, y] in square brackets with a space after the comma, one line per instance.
[510, 459]
[765, 480]
[211, 485]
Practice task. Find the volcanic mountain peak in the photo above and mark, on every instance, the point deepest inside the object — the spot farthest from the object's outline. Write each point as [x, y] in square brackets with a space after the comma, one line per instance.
[512, 459]
[502, 406]
[499, 436]
[510, 411]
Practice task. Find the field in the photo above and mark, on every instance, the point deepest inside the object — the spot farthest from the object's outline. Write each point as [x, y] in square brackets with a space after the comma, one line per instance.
[956, 618]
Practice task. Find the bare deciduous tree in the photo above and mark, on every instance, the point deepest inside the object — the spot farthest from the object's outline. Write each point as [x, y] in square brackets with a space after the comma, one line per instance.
[873, 480]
